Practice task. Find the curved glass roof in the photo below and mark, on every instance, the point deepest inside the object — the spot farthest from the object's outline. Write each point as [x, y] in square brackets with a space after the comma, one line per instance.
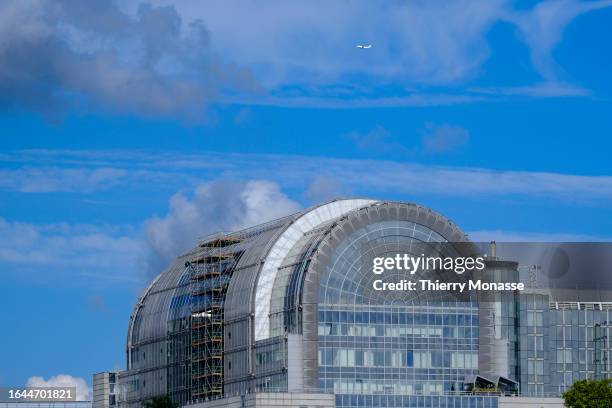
[307, 222]
[264, 250]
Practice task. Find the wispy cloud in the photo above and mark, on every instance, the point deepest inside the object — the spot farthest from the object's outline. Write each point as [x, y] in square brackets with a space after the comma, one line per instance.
[176, 58]
[358, 176]
[41, 180]
[540, 90]
[29, 179]
[51, 251]
[542, 29]
[377, 139]
[130, 255]
[436, 139]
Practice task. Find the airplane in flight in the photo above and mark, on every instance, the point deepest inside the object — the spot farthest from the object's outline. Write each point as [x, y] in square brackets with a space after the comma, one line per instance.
[365, 47]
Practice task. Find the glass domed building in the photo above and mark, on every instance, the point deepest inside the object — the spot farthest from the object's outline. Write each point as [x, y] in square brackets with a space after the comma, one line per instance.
[290, 306]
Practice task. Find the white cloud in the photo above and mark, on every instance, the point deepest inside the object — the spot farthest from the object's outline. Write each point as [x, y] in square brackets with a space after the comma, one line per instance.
[298, 43]
[131, 254]
[87, 251]
[215, 206]
[357, 175]
[541, 90]
[542, 29]
[42, 180]
[303, 55]
[58, 54]
[86, 179]
[106, 253]
[175, 59]
[83, 393]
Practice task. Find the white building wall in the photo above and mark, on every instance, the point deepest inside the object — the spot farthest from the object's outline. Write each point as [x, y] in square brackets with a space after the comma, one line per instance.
[524, 402]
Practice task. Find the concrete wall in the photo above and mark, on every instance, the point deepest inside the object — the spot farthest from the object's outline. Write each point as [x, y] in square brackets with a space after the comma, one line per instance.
[524, 402]
[270, 400]
[100, 390]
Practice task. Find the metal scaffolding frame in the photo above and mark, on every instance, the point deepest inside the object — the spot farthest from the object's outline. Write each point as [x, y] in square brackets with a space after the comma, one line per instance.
[210, 276]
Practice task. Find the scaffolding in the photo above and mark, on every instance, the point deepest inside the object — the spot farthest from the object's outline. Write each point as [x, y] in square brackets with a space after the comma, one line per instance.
[601, 350]
[210, 275]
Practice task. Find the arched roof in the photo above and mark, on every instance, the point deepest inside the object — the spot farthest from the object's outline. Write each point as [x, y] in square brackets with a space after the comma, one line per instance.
[308, 221]
[263, 249]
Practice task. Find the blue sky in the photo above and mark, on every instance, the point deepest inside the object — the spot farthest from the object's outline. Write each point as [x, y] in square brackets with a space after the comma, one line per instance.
[127, 132]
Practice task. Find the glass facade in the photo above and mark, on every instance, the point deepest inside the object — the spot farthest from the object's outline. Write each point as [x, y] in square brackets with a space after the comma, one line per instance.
[297, 310]
[562, 342]
[377, 348]
[347, 401]
[420, 350]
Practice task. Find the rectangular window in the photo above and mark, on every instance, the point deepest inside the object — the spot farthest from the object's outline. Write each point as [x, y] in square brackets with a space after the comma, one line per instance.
[422, 359]
[368, 358]
[539, 365]
[539, 343]
[409, 359]
[350, 358]
[397, 359]
[458, 360]
[559, 356]
[359, 357]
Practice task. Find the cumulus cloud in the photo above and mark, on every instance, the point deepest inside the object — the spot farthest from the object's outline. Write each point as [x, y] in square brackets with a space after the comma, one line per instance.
[214, 206]
[122, 253]
[83, 393]
[444, 138]
[61, 53]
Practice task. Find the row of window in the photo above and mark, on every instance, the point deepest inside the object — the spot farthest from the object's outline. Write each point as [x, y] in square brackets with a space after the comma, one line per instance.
[429, 401]
[397, 359]
[409, 318]
[363, 330]
[386, 387]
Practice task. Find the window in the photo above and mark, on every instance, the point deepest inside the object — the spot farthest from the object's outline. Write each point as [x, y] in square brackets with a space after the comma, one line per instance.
[539, 365]
[325, 329]
[422, 359]
[539, 343]
[409, 359]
